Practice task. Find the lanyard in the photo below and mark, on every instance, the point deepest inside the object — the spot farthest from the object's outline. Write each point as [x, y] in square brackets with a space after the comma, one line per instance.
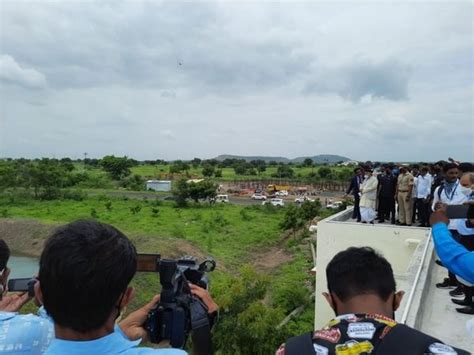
[452, 192]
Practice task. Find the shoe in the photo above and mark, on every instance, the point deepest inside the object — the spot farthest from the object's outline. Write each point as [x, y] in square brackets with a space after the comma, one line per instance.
[372, 222]
[359, 220]
[438, 262]
[393, 222]
[463, 302]
[381, 221]
[446, 284]
[466, 310]
[457, 292]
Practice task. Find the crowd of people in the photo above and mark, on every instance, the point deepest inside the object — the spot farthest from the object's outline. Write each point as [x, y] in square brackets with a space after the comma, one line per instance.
[86, 267]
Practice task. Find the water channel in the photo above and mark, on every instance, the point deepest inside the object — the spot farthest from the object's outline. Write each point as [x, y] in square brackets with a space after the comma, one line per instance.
[22, 266]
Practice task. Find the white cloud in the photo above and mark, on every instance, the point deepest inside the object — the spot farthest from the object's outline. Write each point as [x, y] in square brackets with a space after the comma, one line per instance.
[12, 72]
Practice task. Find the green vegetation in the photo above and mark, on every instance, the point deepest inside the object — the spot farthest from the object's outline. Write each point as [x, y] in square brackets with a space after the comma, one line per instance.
[262, 252]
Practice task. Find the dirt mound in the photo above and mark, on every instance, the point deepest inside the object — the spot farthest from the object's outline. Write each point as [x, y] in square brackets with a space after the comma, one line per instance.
[24, 235]
[272, 258]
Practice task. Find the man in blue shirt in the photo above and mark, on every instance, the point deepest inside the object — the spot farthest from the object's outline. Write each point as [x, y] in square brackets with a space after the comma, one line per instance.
[84, 276]
[20, 333]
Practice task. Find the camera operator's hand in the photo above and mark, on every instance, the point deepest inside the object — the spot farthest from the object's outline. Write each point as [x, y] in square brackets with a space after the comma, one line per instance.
[13, 302]
[133, 324]
[438, 216]
[205, 297]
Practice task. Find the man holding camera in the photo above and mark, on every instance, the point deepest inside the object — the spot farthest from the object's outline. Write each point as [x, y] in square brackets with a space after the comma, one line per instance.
[20, 333]
[85, 271]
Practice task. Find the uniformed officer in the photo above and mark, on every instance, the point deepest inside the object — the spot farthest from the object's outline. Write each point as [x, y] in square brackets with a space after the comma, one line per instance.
[403, 194]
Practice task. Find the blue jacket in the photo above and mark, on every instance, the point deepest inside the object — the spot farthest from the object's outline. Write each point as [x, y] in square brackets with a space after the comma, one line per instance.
[453, 255]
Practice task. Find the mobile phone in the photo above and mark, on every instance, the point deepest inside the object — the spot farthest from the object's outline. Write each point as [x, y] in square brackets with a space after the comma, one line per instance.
[22, 285]
[148, 262]
[457, 211]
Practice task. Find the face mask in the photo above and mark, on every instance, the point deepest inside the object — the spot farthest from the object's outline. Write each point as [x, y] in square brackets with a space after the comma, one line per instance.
[465, 190]
[366, 176]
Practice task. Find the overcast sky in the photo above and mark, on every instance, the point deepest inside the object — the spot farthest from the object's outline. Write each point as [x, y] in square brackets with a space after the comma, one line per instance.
[174, 80]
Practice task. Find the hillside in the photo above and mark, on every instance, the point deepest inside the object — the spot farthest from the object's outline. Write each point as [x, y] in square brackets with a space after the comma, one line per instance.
[318, 159]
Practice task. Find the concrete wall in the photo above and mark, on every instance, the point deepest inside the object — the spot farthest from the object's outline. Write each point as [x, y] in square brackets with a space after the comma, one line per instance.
[335, 234]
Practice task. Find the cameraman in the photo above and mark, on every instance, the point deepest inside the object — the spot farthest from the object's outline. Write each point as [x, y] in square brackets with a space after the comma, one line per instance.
[25, 333]
[85, 269]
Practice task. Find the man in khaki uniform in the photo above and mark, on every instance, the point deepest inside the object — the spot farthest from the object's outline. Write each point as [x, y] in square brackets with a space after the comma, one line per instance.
[403, 194]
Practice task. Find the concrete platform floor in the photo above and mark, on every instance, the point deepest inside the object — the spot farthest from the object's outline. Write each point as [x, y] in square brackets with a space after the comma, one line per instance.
[439, 316]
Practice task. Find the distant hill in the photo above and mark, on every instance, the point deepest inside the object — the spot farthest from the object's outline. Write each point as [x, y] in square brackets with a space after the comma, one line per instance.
[318, 159]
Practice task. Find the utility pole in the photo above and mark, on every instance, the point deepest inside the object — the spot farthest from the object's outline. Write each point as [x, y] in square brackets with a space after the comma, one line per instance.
[85, 157]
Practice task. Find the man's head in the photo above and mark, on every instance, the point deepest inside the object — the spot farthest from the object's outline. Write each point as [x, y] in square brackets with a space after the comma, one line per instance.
[388, 170]
[358, 171]
[358, 274]
[4, 272]
[467, 182]
[403, 170]
[451, 172]
[424, 170]
[4, 254]
[85, 269]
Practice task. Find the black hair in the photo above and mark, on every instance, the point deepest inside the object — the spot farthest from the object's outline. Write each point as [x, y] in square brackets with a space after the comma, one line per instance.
[358, 271]
[466, 167]
[85, 267]
[449, 166]
[357, 169]
[4, 254]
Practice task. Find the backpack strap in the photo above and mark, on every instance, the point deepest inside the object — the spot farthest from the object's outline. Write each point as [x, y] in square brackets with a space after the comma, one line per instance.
[407, 341]
[300, 345]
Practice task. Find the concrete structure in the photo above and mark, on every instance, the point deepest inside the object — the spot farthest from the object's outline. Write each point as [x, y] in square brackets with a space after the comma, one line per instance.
[158, 185]
[410, 251]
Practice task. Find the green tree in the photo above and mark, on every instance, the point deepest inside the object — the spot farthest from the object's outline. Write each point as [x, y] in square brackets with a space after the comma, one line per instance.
[117, 167]
[284, 171]
[202, 190]
[248, 325]
[208, 170]
[324, 172]
[308, 162]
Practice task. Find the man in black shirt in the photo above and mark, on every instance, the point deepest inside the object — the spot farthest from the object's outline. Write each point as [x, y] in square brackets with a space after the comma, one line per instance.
[354, 188]
[386, 194]
[362, 293]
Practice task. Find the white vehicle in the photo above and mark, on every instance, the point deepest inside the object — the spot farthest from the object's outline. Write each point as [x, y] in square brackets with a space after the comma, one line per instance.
[281, 193]
[302, 199]
[334, 205]
[258, 196]
[278, 202]
[222, 199]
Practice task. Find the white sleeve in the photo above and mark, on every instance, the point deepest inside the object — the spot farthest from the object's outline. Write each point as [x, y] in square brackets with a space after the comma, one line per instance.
[435, 198]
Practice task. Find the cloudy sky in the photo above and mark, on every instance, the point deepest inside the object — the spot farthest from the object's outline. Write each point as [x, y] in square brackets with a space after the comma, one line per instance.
[176, 80]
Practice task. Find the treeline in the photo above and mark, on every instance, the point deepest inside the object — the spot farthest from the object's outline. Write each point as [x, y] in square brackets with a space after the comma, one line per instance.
[50, 178]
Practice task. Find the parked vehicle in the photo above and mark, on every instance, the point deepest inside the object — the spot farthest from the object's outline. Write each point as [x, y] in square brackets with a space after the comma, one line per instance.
[302, 199]
[335, 205]
[281, 193]
[222, 199]
[258, 196]
[277, 202]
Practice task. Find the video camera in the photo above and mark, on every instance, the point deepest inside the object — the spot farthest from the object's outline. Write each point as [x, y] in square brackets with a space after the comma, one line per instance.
[179, 312]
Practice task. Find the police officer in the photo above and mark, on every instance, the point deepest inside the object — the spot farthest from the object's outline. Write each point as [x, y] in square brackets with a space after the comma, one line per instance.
[403, 196]
[387, 188]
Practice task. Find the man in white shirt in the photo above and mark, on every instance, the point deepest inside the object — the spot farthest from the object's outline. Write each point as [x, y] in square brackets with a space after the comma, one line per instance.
[449, 193]
[423, 189]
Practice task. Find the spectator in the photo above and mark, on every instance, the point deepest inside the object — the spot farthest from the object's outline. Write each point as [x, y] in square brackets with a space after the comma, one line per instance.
[362, 293]
[26, 333]
[85, 270]
[354, 188]
[423, 190]
[368, 190]
[403, 196]
[415, 170]
[449, 193]
[387, 187]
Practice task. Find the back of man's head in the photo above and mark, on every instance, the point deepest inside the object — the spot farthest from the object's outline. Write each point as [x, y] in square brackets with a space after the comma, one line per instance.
[4, 254]
[85, 267]
[359, 271]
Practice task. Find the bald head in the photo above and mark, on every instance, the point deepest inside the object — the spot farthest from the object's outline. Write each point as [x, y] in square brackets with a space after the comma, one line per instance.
[467, 179]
